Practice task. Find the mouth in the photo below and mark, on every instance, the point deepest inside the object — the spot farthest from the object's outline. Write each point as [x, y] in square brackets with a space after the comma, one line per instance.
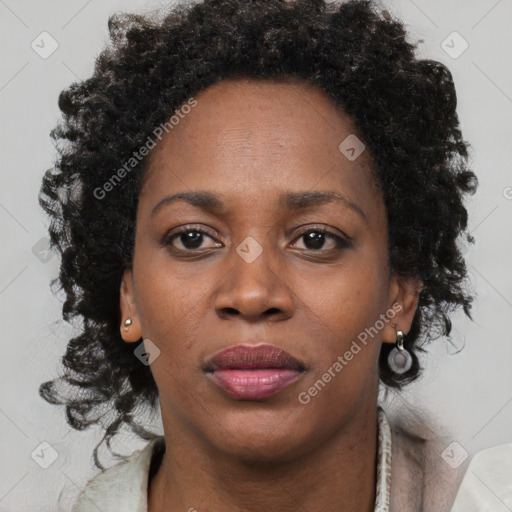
[253, 372]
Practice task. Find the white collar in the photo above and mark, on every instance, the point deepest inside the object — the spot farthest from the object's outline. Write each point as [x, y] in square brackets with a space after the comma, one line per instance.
[125, 485]
[383, 491]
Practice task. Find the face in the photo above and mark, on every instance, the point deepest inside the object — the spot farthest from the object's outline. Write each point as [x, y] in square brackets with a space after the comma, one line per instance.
[311, 277]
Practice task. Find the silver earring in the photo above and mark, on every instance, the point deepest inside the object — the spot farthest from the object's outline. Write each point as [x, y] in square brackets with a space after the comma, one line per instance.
[399, 358]
[127, 323]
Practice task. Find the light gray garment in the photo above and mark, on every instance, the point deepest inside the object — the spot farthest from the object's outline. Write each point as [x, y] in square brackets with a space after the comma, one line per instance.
[411, 477]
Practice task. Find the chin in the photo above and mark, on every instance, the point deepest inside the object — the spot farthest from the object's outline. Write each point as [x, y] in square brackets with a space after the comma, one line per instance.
[265, 437]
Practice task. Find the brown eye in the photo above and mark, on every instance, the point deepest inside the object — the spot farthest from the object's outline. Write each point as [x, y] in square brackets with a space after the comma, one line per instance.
[316, 239]
[190, 239]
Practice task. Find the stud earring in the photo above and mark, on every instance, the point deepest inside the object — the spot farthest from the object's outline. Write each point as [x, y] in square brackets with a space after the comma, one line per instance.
[127, 323]
[399, 358]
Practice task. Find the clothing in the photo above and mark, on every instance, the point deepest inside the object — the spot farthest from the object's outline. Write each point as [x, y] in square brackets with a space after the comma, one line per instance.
[124, 487]
[487, 484]
[411, 477]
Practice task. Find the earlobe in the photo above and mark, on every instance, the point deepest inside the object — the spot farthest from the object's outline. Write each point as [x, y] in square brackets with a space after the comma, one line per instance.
[130, 327]
[403, 303]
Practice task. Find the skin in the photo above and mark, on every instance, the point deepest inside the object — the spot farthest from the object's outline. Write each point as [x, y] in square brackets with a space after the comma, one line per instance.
[249, 142]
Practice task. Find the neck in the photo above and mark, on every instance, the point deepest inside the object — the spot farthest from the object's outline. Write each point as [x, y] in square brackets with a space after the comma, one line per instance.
[339, 474]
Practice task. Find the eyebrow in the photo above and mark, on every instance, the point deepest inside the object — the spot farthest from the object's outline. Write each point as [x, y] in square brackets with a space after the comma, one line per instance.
[292, 201]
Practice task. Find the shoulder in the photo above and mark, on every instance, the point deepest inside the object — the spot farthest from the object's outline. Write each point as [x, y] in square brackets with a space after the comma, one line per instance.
[421, 478]
[487, 484]
[120, 487]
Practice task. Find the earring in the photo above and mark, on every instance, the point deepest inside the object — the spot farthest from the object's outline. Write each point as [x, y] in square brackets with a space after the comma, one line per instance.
[127, 323]
[399, 358]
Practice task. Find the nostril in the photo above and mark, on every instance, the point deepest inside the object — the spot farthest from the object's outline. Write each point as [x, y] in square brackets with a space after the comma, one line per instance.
[232, 311]
[272, 311]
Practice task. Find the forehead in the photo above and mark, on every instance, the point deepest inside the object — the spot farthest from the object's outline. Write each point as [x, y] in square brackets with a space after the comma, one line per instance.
[253, 136]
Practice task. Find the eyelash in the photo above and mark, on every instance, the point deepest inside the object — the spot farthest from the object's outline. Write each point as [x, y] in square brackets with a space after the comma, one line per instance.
[341, 243]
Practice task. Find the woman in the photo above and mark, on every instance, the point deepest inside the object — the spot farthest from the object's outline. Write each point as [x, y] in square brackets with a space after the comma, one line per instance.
[258, 206]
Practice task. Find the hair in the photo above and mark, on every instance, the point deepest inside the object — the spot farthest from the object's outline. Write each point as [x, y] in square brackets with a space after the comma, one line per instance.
[403, 107]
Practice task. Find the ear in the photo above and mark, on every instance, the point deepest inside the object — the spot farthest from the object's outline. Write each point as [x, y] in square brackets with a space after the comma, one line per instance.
[133, 332]
[403, 301]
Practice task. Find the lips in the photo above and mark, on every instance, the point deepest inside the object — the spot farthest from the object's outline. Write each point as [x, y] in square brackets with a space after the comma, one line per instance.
[253, 357]
[253, 372]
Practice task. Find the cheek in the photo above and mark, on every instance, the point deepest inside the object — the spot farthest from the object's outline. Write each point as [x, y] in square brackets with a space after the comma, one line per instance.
[346, 310]
[169, 309]
[349, 300]
[345, 365]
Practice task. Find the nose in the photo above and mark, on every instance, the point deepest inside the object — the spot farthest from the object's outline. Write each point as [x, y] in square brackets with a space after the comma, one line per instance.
[254, 291]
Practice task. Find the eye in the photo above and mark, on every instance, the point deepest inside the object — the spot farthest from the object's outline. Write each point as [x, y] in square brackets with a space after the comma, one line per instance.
[315, 239]
[193, 238]
[190, 238]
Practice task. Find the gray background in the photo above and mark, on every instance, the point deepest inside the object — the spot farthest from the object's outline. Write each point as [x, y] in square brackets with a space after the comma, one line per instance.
[470, 391]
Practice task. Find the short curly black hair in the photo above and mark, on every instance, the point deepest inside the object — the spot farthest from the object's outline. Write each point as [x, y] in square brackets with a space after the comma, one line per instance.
[404, 108]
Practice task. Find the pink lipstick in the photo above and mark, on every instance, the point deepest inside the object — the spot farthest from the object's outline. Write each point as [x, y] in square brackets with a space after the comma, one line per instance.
[252, 372]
